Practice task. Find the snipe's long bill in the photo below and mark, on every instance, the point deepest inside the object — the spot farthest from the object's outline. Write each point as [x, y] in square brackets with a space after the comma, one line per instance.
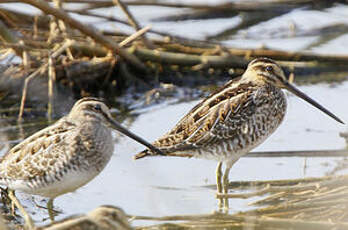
[300, 94]
[129, 134]
[233, 120]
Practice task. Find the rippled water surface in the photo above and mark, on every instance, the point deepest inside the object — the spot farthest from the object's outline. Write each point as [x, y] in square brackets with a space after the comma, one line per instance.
[170, 186]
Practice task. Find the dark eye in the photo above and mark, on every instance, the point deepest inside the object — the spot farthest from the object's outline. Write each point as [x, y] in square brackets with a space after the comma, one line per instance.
[97, 107]
[114, 215]
[269, 68]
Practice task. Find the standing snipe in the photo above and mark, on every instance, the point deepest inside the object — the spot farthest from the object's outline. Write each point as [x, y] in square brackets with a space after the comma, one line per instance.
[105, 217]
[66, 155]
[232, 121]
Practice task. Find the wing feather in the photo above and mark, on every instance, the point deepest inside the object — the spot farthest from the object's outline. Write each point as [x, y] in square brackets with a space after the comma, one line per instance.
[209, 122]
[17, 163]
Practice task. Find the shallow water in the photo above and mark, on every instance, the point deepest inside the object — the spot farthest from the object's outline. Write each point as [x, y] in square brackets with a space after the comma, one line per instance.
[172, 186]
[167, 186]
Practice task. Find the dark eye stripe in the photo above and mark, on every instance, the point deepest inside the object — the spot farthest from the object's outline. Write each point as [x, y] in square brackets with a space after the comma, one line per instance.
[262, 68]
[259, 68]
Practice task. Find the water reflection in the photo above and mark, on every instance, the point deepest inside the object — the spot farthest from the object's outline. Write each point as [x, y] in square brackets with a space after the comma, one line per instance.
[173, 186]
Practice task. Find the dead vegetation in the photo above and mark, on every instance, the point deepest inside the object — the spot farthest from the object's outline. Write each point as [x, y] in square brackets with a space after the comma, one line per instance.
[78, 57]
[54, 50]
[309, 203]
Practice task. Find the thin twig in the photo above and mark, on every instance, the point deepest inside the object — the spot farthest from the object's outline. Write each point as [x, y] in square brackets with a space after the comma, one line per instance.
[28, 220]
[88, 30]
[163, 34]
[51, 79]
[189, 59]
[135, 36]
[67, 44]
[133, 22]
[25, 58]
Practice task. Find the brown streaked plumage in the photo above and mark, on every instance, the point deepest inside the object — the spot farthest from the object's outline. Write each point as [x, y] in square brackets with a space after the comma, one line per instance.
[105, 217]
[66, 155]
[233, 120]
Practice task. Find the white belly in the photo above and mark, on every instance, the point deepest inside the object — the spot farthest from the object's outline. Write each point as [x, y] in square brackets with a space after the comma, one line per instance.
[68, 183]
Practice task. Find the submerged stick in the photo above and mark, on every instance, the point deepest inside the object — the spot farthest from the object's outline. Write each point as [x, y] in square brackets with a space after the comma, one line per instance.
[244, 195]
[230, 221]
[285, 182]
[301, 153]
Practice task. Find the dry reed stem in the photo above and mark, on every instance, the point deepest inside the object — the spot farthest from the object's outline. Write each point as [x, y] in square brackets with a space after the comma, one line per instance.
[278, 55]
[114, 19]
[43, 68]
[189, 59]
[51, 79]
[25, 58]
[235, 6]
[135, 35]
[132, 21]
[28, 220]
[87, 30]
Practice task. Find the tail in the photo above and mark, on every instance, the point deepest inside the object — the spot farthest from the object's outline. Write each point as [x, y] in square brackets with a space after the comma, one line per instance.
[148, 152]
[143, 154]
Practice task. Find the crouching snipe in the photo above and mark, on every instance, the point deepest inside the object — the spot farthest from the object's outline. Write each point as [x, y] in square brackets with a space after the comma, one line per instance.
[64, 156]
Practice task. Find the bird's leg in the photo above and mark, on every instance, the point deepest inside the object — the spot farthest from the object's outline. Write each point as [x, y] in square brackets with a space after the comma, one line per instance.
[225, 186]
[50, 209]
[27, 218]
[56, 212]
[218, 182]
[225, 183]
